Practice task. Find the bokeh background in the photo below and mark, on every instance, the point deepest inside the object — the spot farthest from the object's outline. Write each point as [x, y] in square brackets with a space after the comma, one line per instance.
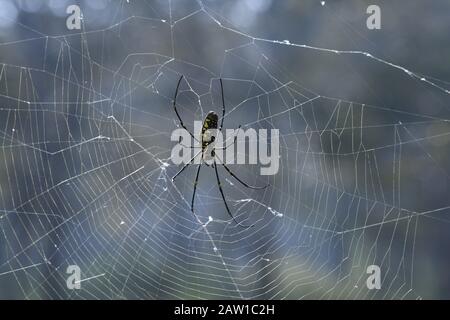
[85, 125]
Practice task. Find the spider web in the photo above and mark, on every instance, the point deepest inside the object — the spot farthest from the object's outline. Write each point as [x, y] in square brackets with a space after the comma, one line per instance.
[85, 173]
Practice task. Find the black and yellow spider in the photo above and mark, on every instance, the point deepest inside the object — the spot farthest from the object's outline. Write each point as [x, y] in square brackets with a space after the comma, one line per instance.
[210, 123]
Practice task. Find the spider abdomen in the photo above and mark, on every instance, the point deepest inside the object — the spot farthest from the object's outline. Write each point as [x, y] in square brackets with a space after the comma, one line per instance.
[208, 129]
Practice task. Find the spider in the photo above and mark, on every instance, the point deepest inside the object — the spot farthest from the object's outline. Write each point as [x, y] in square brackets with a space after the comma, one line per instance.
[210, 123]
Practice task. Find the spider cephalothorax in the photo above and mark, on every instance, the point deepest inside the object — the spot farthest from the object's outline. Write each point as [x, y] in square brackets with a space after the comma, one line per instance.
[207, 137]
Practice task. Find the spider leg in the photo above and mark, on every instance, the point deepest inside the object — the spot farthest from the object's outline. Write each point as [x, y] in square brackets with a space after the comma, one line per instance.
[234, 141]
[242, 182]
[186, 165]
[238, 179]
[175, 108]
[224, 200]
[188, 147]
[195, 188]
[223, 105]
